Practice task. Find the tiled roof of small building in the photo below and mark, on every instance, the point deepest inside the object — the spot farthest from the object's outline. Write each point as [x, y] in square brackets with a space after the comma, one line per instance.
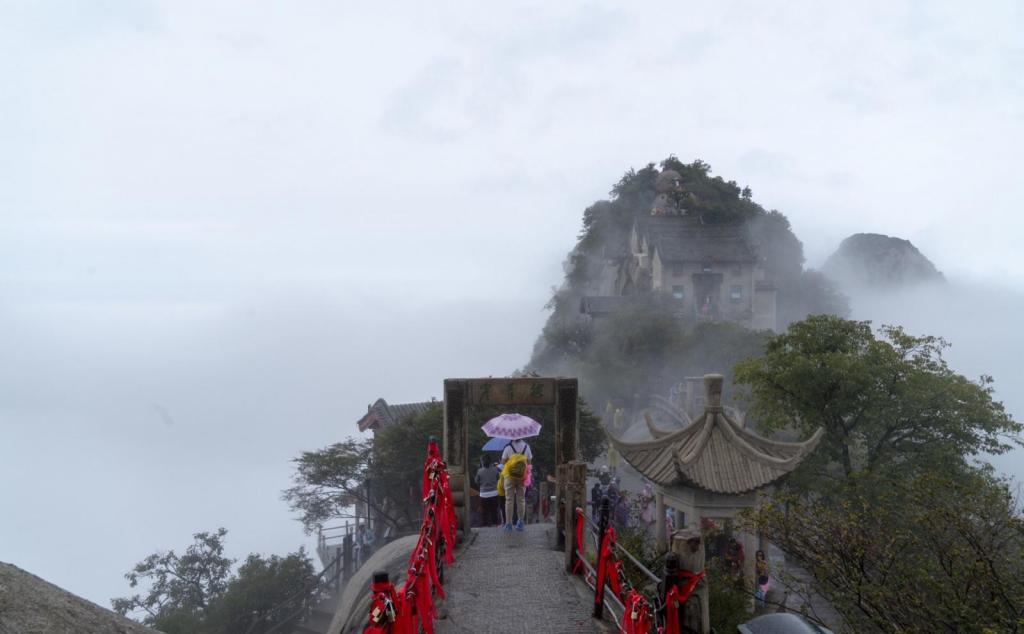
[380, 414]
[687, 239]
[715, 453]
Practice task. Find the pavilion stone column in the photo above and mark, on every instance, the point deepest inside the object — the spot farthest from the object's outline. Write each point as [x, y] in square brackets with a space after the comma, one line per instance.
[660, 540]
[689, 545]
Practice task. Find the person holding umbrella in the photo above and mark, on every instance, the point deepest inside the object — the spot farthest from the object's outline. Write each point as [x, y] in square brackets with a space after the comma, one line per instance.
[515, 460]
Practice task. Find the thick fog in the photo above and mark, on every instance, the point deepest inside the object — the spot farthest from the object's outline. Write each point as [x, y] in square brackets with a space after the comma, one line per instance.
[227, 228]
[979, 318]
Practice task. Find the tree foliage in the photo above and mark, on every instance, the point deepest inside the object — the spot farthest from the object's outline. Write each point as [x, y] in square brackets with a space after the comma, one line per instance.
[933, 552]
[196, 592]
[266, 592]
[330, 480]
[180, 587]
[886, 401]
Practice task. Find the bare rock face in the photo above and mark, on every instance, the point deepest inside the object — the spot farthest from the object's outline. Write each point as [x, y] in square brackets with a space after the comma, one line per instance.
[29, 605]
[881, 262]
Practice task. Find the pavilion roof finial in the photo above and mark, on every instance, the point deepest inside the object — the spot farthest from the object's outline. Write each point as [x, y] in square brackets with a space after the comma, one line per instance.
[713, 389]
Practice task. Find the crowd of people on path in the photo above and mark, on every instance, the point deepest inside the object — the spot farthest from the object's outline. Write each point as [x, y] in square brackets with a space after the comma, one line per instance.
[363, 544]
[509, 496]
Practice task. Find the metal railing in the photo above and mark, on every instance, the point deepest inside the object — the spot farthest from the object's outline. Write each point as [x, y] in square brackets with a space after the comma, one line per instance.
[633, 609]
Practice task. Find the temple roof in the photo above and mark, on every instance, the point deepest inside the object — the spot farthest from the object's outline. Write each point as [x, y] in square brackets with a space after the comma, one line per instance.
[687, 239]
[714, 452]
[380, 414]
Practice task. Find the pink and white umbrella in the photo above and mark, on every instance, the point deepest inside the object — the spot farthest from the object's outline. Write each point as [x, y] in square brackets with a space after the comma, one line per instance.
[511, 426]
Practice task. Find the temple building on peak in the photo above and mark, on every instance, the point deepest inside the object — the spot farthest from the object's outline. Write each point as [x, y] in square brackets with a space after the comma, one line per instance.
[701, 271]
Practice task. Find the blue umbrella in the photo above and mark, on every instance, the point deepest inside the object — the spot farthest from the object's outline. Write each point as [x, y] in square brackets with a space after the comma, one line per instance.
[495, 444]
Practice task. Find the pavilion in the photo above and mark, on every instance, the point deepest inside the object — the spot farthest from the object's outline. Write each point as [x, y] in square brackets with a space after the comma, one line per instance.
[712, 468]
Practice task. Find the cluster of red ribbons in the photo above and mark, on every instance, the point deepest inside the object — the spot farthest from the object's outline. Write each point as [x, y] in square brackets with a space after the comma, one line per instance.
[639, 612]
[407, 610]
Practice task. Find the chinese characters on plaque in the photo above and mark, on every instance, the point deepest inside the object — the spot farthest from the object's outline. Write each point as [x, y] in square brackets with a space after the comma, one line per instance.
[513, 391]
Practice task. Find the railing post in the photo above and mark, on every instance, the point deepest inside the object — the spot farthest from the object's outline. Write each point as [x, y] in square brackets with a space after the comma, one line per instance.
[346, 546]
[688, 546]
[337, 568]
[600, 582]
[671, 581]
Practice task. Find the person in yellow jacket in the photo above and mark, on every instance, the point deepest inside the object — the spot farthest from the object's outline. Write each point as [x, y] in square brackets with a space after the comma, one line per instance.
[511, 484]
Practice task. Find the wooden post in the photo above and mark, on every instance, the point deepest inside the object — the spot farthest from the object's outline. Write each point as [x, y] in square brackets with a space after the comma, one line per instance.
[455, 443]
[670, 580]
[561, 476]
[574, 496]
[544, 491]
[600, 581]
[688, 545]
[337, 567]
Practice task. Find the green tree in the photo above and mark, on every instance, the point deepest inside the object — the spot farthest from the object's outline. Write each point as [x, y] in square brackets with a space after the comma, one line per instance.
[196, 592]
[884, 401]
[328, 482]
[180, 588]
[266, 592]
[934, 552]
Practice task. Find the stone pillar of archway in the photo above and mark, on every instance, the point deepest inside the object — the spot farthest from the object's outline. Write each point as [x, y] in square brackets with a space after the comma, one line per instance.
[455, 446]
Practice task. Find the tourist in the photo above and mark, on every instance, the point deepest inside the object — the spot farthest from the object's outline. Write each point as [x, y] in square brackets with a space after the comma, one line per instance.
[369, 539]
[612, 491]
[621, 511]
[512, 486]
[518, 446]
[487, 483]
[596, 493]
[761, 570]
[734, 557]
[357, 545]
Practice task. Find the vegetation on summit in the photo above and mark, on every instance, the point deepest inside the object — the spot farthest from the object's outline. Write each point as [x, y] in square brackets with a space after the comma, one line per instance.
[571, 344]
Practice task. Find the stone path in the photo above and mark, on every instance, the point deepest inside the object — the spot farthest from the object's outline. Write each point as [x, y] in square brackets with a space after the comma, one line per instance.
[510, 584]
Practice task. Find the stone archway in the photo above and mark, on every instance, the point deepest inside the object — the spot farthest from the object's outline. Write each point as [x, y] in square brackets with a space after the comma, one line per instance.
[462, 396]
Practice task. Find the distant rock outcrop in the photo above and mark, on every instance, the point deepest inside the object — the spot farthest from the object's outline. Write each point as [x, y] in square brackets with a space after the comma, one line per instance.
[29, 605]
[871, 259]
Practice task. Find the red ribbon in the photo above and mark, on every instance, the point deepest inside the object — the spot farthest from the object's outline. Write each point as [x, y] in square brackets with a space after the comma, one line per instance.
[636, 619]
[414, 604]
[604, 554]
[676, 597]
[580, 548]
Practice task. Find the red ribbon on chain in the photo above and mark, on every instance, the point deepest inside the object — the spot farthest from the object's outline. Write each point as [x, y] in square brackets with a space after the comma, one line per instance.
[413, 605]
[636, 619]
[580, 547]
[383, 608]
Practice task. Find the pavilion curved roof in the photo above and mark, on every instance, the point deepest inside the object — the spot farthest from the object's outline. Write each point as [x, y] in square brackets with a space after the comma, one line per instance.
[716, 454]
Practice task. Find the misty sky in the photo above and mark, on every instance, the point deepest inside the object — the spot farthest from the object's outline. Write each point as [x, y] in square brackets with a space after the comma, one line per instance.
[225, 228]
